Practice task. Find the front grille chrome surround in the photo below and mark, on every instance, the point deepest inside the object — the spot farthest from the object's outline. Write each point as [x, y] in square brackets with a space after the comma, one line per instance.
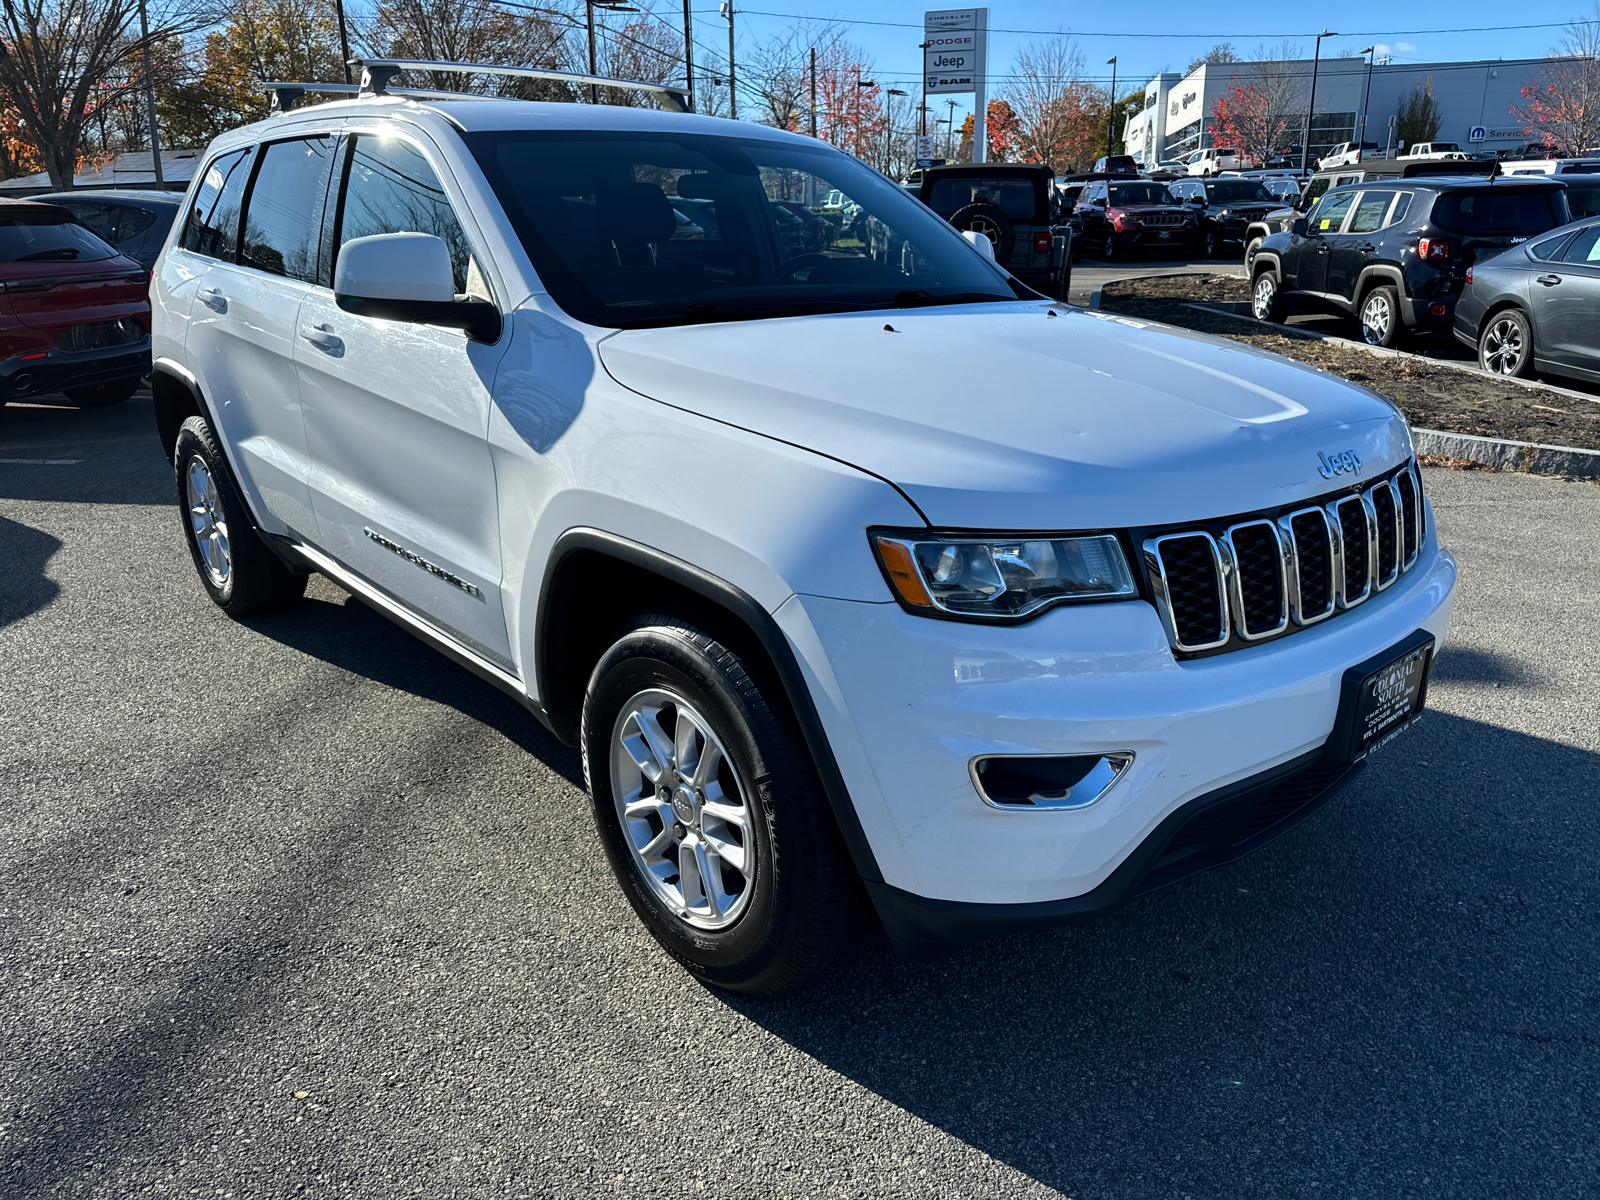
[1187, 618]
[1228, 584]
[1255, 571]
[1310, 549]
[1350, 518]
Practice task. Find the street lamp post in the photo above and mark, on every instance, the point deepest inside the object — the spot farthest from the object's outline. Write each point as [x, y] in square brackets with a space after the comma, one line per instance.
[950, 132]
[1311, 108]
[1366, 103]
[888, 131]
[1111, 109]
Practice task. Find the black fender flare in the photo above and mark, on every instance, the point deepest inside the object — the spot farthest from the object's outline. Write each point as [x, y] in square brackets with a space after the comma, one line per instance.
[743, 607]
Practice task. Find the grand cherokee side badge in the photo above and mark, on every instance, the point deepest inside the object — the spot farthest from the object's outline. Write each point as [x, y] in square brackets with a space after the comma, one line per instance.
[1344, 462]
[436, 571]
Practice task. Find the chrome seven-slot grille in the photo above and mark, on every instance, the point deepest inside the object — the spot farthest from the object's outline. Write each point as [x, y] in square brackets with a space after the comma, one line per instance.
[1162, 219]
[1263, 576]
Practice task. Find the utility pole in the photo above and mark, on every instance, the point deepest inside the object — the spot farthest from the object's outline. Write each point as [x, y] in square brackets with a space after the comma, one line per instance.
[733, 89]
[950, 132]
[1111, 109]
[813, 91]
[688, 52]
[150, 97]
[594, 61]
[1366, 102]
[344, 37]
[1311, 108]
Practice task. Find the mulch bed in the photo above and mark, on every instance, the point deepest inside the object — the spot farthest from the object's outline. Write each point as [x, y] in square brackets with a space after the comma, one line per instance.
[1431, 396]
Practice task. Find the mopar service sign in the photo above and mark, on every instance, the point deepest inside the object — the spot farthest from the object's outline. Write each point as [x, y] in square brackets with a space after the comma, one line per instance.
[954, 49]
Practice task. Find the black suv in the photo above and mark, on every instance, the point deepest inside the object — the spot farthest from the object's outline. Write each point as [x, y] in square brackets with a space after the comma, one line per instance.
[1120, 164]
[1226, 208]
[1015, 206]
[1394, 252]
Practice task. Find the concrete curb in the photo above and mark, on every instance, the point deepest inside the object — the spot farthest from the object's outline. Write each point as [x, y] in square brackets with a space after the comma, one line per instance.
[1528, 457]
[1385, 352]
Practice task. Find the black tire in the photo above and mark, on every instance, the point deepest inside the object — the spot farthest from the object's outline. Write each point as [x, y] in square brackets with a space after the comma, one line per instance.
[1250, 249]
[802, 903]
[990, 221]
[103, 395]
[1505, 346]
[256, 580]
[1379, 315]
[1111, 252]
[1211, 242]
[1266, 298]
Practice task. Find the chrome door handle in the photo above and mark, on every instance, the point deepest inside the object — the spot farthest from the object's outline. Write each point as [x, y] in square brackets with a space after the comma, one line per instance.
[1548, 280]
[213, 299]
[321, 337]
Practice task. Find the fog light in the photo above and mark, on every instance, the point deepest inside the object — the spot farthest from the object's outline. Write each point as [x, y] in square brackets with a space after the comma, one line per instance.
[1047, 780]
[21, 383]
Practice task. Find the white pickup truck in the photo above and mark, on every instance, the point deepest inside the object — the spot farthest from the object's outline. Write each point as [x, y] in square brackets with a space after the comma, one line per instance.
[1435, 150]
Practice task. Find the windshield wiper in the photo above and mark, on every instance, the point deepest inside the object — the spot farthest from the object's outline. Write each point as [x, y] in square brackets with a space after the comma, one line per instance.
[58, 254]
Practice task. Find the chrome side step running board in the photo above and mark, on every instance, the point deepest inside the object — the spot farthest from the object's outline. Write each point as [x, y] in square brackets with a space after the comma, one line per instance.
[402, 616]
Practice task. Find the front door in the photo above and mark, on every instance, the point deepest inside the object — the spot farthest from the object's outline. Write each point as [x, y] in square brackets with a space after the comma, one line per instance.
[1566, 296]
[398, 414]
[1309, 255]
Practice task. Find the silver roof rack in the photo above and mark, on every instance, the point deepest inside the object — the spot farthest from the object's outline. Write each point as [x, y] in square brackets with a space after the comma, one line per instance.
[284, 96]
[376, 73]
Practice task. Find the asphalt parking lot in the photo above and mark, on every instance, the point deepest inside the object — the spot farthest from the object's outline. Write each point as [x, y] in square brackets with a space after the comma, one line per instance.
[298, 908]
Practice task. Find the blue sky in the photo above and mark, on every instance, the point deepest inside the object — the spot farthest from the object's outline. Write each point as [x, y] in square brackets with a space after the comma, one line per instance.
[1170, 32]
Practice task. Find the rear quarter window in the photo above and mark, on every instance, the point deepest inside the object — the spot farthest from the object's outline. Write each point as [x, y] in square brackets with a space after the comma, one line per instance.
[1496, 212]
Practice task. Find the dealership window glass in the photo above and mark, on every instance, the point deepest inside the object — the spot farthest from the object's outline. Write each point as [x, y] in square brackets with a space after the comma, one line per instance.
[598, 214]
[1585, 247]
[1017, 198]
[1370, 211]
[1329, 217]
[392, 189]
[1500, 211]
[284, 209]
[213, 225]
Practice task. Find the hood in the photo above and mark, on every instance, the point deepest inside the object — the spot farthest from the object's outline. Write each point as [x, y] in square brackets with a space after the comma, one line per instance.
[1145, 210]
[1001, 416]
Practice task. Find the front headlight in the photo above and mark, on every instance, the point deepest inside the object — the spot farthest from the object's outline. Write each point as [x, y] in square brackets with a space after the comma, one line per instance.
[1001, 578]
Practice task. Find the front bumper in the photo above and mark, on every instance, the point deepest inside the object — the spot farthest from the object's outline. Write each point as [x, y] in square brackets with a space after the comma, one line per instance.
[1177, 237]
[908, 702]
[58, 370]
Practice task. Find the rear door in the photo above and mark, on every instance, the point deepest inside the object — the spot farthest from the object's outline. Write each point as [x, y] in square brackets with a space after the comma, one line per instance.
[1351, 250]
[243, 329]
[1566, 301]
[398, 415]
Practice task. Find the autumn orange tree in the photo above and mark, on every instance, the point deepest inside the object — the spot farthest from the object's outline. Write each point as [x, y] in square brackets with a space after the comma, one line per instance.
[1562, 107]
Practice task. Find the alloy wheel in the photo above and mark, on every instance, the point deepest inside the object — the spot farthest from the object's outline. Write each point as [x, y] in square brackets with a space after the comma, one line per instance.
[1266, 290]
[1376, 319]
[683, 809]
[208, 521]
[1503, 347]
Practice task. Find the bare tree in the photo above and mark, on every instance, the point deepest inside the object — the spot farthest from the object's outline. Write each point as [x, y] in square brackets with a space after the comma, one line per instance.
[61, 60]
[778, 72]
[1050, 97]
[1222, 52]
[474, 31]
[1562, 106]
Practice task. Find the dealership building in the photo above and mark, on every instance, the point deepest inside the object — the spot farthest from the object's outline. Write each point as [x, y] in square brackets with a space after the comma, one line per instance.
[1474, 100]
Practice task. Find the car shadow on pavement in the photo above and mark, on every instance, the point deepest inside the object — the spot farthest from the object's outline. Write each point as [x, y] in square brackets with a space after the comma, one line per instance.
[24, 554]
[347, 634]
[1398, 989]
[65, 454]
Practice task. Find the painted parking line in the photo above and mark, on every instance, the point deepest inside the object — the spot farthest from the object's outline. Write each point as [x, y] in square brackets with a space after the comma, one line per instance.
[40, 462]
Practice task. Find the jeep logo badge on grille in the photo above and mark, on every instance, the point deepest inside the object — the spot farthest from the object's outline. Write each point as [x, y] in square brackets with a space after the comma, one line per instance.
[1344, 462]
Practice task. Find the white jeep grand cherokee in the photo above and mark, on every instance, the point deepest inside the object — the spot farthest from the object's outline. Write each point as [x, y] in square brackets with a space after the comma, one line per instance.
[860, 573]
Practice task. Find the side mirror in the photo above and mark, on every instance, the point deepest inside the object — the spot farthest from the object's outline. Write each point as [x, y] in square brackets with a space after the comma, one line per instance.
[979, 243]
[1098, 202]
[408, 277]
[1299, 227]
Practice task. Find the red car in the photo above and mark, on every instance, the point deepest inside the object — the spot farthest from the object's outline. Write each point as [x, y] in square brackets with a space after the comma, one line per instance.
[74, 314]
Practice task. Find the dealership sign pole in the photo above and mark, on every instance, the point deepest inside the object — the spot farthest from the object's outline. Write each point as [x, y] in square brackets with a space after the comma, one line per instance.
[955, 59]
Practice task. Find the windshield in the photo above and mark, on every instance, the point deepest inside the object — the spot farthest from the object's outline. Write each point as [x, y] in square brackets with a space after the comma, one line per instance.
[1123, 194]
[50, 243]
[1236, 191]
[1497, 210]
[1017, 198]
[632, 229]
[1440, 146]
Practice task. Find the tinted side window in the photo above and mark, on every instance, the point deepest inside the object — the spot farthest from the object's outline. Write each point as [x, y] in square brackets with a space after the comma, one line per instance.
[284, 211]
[1330, 213]
[1549, 250]
[96, 218]
[1370, 211]
[1584, 202]
[1585, 248]
[213, 226]
[390, 188]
